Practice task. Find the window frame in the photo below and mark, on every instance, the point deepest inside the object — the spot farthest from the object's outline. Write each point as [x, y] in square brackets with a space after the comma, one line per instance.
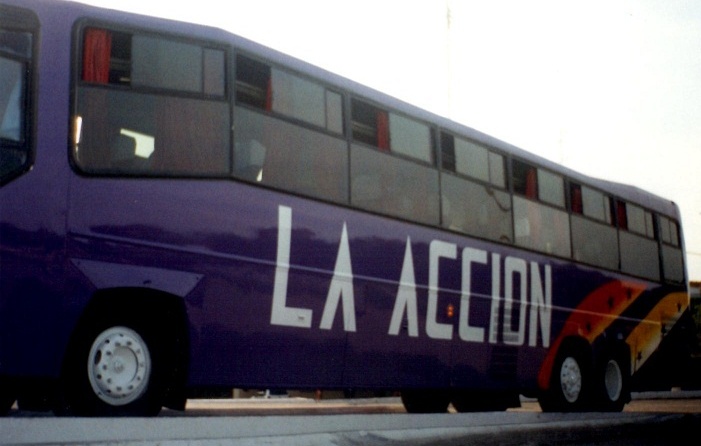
[237, 87]
[445, 166]
[17, 19]
[360, 128]
[78, 84]
[606, 203]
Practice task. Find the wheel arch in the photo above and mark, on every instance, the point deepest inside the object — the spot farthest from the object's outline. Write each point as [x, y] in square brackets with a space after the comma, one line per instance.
[165, 311]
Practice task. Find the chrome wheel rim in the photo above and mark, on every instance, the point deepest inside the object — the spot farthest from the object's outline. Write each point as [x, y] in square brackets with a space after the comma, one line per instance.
[570, 379]
[119, 366]
[613, 380]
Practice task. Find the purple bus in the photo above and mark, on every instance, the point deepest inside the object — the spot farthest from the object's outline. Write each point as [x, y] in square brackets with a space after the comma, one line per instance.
[183, 210]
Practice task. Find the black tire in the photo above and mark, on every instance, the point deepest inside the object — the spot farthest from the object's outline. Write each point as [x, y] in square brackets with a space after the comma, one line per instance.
[7, 397]
[113, 369]
[612, 381]
[426, 401]
[570, 383]
[466, 401]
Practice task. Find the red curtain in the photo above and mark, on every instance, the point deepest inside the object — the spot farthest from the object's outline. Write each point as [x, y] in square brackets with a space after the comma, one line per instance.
[621, 215]
[531, 184]
[576, 198]
[382, 130]
[269, 95]
[97, 46]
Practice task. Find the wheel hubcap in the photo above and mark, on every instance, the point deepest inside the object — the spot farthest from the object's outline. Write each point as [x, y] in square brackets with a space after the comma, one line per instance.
[571, 379]
[613, 380]
[119, 366]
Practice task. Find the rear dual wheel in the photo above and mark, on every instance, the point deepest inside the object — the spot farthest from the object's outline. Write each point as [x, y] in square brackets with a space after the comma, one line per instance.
[613, 392]
[578, 386]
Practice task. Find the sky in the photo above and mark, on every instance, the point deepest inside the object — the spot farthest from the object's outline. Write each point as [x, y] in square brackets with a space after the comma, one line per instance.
[610, 88]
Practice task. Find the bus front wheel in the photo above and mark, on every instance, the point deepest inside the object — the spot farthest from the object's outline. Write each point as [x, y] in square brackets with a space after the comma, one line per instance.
[113, 371]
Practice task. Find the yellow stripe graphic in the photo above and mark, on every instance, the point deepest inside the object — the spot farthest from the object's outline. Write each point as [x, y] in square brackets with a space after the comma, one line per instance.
[648, 335]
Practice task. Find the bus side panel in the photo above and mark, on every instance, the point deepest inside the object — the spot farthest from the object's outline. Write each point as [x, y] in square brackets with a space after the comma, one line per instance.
[391, 348]
[225, 234]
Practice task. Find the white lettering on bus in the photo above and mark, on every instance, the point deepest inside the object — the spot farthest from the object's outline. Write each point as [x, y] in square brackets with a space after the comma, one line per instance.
[434, 329]
[541, 305]
[468, 332]
[281, 313]
[508, 319]
[341, 288]
[406, 297]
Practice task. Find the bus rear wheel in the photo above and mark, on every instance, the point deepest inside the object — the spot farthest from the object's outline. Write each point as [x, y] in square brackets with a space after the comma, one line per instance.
[613, 392]
[569, 384]
[113, 371]
[426, 400]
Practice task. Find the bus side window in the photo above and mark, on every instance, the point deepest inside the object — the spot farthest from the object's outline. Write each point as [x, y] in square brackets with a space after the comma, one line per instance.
[15, 66]
[274, 90]
[525, 180]
[672, 257]
[594, 239]
[253, 83]
[639, 247]
[164, 111]
[370, 124]
[540, 220]
[474, 201]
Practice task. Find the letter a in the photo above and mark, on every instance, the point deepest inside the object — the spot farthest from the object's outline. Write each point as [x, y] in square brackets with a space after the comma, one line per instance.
[341, 287]
[406, 297]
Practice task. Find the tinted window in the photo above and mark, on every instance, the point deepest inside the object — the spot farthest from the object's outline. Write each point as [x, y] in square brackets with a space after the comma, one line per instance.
[639, 255]
[672, 257]
[473, 160]
[15, 75]
[11, 100]
[136, 133]
[152, 62]
[525, 179]
[272, 151]
[594, 242]
[391, 132]
[386, 184]
[160, 63]
[551, 188]
[639, 220]
[542, 228]
[411, 138]
[145, 125]
[673, 264]
[476, 209]
[276, 90]
[669, 231]
[596, 205]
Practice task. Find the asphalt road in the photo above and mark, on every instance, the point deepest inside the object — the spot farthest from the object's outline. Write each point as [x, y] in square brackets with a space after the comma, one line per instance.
[655, 419]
